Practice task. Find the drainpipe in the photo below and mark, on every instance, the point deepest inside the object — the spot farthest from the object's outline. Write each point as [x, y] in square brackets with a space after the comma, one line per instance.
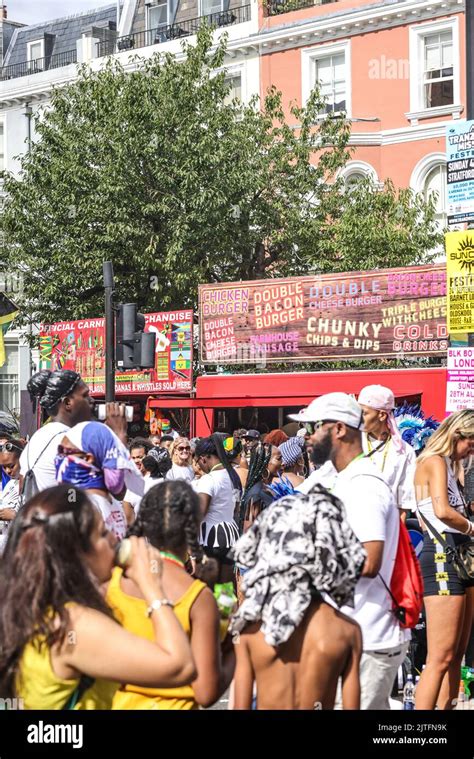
[28, 113]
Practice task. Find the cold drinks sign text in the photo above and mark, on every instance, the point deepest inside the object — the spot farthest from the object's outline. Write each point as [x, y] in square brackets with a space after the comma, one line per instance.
[361, 314]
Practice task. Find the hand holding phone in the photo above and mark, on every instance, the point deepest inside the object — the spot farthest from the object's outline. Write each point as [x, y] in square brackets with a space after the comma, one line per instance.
[102, 413]
[116, 419]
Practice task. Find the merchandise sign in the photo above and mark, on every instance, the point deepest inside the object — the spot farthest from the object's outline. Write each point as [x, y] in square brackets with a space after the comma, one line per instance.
[389, 312]
[460, 172]
[460, 270]
[80, 346]
[460, 385]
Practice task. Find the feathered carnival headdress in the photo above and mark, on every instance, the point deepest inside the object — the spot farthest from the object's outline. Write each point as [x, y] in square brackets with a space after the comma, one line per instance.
[414, 427]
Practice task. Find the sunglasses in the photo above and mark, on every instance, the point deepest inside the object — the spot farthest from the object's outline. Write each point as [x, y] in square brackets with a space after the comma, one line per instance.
[63, 451]
[311, 427]
[10, 447]
[184, 448]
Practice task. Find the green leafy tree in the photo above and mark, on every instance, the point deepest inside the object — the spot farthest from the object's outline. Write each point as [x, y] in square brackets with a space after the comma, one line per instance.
[155, 170]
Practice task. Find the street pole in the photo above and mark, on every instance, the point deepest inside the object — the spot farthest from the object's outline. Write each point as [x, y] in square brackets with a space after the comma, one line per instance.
[469, 18]
[108, 271]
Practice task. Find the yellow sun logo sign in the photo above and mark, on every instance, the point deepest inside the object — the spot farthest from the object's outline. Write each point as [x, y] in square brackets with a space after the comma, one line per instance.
[464, 255]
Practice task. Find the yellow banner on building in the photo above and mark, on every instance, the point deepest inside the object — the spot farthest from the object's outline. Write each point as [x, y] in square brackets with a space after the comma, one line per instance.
[460, 284]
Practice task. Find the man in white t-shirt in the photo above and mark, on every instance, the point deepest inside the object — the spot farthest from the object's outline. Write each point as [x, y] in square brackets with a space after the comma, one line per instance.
[66, 399]
[335, 420]
[381, 439]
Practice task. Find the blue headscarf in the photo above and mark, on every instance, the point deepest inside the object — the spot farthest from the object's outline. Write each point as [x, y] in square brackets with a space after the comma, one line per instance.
[108, 452]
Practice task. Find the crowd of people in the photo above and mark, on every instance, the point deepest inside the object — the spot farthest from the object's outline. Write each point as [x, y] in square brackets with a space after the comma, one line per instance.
[303, 528]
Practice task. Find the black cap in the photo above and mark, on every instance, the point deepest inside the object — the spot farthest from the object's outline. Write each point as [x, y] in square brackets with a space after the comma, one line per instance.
[252, 435]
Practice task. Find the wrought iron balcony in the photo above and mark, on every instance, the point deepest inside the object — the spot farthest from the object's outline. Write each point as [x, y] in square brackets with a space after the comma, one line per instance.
[180, 29]
[276, 7]
[38, 64]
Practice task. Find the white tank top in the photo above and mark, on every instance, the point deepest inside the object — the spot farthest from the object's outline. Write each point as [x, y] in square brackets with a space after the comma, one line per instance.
[456, 501]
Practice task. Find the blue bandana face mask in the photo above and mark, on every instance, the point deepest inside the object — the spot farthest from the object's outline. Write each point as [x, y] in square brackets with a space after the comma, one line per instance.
[78, 472]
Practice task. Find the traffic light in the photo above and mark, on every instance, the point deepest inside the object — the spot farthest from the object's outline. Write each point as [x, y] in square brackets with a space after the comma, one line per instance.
[134, 348]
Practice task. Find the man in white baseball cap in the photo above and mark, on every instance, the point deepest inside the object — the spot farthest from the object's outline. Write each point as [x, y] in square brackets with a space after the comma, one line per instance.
[382, 441]
[333, 406]
[334, 422]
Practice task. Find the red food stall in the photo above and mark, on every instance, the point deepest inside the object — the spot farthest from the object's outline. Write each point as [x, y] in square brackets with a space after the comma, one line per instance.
[263, 401]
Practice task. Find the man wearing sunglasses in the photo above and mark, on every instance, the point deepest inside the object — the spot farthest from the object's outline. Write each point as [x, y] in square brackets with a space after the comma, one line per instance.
[335, 423]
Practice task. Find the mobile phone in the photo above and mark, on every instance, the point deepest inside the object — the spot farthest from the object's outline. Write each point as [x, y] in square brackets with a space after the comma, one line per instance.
[101, 412]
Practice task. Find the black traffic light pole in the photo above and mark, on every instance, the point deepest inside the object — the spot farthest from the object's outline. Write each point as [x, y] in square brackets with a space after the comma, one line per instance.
[108, 271]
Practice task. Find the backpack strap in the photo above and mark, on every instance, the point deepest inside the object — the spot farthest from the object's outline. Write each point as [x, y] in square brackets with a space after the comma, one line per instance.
[398, 610]
[449, 551]
[46, 446]
[30, 468]
[84, 684]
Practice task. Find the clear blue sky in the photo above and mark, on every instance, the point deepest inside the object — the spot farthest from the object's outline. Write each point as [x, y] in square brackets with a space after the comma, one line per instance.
[35, 11]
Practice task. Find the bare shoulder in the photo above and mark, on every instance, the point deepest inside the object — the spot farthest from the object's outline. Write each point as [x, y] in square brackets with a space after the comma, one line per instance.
[252, 637]
[204, 603]
[433, 464]
[85, 617]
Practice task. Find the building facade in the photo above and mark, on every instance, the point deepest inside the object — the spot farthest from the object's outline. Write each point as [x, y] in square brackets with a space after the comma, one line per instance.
[395, 67]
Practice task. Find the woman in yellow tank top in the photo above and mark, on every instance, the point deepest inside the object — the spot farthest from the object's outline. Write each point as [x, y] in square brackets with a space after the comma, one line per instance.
[169, 519]
[61, 647]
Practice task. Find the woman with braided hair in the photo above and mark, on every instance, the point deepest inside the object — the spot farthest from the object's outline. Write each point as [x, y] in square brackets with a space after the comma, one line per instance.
[58, 554]
[265, 462]
[169, 519]
[219, 490]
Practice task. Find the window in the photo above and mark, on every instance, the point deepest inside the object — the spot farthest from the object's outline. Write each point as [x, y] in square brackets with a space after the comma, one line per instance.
[353, 179]
[2, 149]
[435, 88]
[35, 54]
[330, 74]
[9, 390]
[435, 182]
[330, 67]
[438, 75]
[158, 15]
[210, 6]
[234, 81]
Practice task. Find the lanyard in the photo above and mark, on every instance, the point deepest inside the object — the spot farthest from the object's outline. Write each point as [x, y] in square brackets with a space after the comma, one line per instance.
[216, 467]
[385, 450]
[359, 456]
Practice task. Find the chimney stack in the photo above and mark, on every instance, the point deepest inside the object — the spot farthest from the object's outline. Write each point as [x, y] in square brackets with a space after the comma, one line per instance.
[4, 11]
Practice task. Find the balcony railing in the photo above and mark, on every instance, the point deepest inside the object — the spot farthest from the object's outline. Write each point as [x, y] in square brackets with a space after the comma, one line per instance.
[179, 29]
[39, 64]
[275, 7]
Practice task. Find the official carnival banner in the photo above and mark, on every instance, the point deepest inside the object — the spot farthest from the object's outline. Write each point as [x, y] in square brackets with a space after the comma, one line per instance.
[389, 312]
[80, 345]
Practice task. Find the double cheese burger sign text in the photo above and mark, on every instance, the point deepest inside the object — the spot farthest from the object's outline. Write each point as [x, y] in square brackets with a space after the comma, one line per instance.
[389, 312]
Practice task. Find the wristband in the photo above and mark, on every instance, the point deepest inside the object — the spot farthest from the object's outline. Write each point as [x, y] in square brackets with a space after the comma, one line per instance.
[157, 604]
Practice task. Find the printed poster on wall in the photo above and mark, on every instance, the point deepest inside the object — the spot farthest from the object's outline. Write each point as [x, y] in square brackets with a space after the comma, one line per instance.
[460, 385]
[460, 171]
[80, 345]
[460, 268]
[389, 312]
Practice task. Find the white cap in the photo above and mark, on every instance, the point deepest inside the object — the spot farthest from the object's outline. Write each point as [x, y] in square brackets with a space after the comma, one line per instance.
[338, 407]
[377, 397]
